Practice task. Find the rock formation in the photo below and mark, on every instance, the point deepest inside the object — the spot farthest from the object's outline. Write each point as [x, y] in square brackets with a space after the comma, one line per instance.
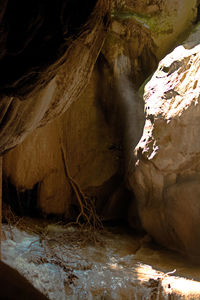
[166, 180]
[51, 66]
[15, 287]
[90, 142]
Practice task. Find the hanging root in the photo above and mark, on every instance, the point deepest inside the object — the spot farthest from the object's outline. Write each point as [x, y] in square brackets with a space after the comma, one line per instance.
[87, 204]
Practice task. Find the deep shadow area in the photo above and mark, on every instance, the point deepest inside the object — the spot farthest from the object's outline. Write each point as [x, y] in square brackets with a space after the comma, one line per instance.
[34, 35]
[23, 203]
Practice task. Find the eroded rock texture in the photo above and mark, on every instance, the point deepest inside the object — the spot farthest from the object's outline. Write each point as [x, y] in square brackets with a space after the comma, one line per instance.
[167, 21]
[167, 176]
[84, 138]
[34, 38]
[63, 60]
[91, 133]
[92, 143]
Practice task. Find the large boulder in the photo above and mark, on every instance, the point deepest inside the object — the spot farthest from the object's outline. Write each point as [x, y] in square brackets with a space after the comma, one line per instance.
[166, 180]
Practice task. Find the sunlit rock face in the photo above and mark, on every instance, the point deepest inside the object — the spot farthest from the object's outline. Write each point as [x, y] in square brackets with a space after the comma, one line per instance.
[166, 180]
[47, 56]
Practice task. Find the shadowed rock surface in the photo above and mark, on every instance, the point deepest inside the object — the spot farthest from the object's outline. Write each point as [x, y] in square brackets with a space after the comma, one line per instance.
[34, 38]
[15, 287]
[49, 80]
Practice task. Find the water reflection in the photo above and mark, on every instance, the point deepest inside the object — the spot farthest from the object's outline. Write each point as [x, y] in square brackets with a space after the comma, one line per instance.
[119, 266]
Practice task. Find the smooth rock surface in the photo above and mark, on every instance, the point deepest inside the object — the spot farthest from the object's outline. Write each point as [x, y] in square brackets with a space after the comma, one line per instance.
[79, 142]
[16, 287]
[86, 145]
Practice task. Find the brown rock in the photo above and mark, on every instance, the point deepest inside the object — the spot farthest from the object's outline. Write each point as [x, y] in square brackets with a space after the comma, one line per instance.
[15, 287]
[38, 160]
[85, 139]
[98, 132]
[19, 118]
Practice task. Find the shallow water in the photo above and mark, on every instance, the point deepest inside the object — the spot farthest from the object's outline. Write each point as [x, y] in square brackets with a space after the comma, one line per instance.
[64, 264]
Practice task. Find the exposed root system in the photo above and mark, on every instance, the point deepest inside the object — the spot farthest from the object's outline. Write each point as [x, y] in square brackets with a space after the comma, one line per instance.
[86, 204]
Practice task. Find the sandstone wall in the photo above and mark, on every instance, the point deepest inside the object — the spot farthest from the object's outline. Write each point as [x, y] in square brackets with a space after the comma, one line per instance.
[166, 180]
[88, 143]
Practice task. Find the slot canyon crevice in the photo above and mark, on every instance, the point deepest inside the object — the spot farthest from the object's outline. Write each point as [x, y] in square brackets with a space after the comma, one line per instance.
[99, 125]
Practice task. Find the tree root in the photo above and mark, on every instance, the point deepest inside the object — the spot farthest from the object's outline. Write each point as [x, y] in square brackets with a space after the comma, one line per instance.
[86, 203]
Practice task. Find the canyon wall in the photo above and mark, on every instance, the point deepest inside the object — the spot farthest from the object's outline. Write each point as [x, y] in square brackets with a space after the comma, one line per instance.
[89, 145]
